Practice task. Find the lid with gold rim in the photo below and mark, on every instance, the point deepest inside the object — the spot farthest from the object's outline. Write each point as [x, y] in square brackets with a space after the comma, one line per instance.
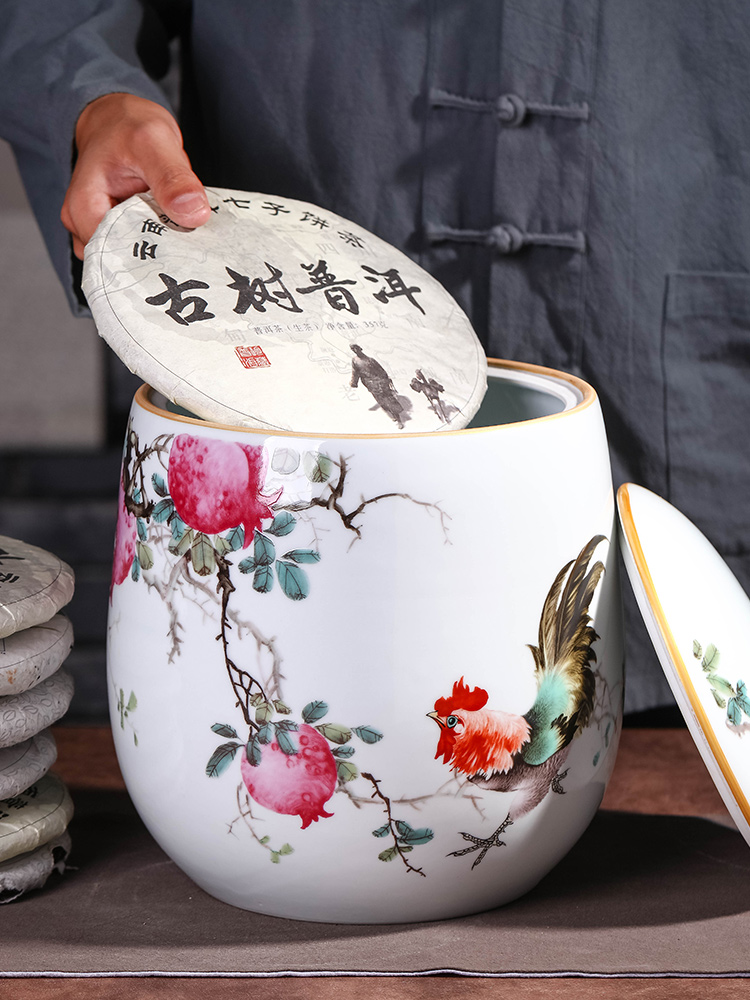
[698, 617]
[280, 314]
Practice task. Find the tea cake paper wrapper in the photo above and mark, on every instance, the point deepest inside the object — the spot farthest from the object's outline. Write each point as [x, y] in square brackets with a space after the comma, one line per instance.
[24, 715]
[278, 314]
[30, 871]
[24, 763]
[34, 817]
[34, 585]
[33, 654]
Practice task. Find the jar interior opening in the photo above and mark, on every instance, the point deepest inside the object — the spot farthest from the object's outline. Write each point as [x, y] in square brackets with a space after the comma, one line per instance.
[513, 396]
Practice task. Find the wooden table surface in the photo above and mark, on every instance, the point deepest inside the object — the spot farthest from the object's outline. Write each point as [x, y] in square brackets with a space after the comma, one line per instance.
[644, 781]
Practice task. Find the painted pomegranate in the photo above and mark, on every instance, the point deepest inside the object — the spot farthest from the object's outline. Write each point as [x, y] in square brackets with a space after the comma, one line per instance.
[216, 485]
[125, 537]
[294, 784]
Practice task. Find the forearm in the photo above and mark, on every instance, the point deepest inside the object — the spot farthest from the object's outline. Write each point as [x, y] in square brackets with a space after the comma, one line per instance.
[56, 58]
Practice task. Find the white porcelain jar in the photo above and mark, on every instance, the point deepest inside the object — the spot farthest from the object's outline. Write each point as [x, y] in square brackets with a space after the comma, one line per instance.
[323, 695]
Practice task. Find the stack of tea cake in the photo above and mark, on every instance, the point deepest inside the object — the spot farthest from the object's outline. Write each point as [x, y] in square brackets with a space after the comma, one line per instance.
[35, 691]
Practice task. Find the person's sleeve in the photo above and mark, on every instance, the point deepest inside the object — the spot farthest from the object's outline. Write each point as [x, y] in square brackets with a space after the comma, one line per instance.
[56, 56]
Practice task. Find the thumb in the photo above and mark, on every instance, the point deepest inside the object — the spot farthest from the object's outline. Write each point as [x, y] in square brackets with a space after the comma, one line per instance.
[177, 190]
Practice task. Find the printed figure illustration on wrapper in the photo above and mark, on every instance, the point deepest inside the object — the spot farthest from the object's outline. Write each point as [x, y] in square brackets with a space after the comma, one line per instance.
[217, 511]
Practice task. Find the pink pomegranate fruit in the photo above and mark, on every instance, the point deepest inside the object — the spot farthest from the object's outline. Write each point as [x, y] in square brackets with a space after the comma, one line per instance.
[297, 784]
[216, 485]
[125, 537]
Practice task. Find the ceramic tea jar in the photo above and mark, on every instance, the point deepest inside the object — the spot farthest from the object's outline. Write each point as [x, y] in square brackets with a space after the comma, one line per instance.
[371, 678]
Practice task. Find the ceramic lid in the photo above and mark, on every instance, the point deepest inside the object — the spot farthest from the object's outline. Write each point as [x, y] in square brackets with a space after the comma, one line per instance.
[279, 314]
[34, 585]
[698, 617]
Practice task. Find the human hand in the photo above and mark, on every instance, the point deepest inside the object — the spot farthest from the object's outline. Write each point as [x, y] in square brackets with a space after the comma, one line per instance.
[127, 144]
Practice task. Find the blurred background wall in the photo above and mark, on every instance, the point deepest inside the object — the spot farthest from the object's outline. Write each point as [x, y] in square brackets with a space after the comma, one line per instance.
[63, 408]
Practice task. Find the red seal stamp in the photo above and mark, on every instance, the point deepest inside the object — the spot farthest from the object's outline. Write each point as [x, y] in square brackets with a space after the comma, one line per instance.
[252, 357]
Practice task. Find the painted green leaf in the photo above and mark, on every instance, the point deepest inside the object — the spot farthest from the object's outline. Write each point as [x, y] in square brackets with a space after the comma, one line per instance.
[265, 733]
[286, 725]
[734, 714]
[253, 752]
[275, 857]
[423, 835]
[285, 460]
[285, 741]
[221, 729]
[255, 699]
[742, 699]
[314, 710]
[710, 661]
[382, 831]
[335, 733]
[263, 579]
[135, 570]
[236, 537]
[133, 704]
[318, 467]
[221, 545]
[135, 738]
[721, 702]
[247, 565]
[402, 827]
[282, 524]
[388, 854]
[697, 649]
[346, 770]
[281, 707]
[137, 495]
[597, 755]
[721, 685]
[263, 713]
[162, 510]
[145, 555]
[265, 840]
[178, 527]
[302, 556]
[263, 549]
[221, 758]
[286, 849]
[202, 555]
[293, 580]
[345, 751]
[141, 527]
[368, 734]
[159, 485]
[182, 545]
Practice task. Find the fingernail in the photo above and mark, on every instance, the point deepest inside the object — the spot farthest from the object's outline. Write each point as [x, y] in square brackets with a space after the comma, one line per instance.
[189, 204]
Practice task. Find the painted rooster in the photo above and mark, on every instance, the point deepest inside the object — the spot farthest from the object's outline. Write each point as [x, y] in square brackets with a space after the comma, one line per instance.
[503, 752]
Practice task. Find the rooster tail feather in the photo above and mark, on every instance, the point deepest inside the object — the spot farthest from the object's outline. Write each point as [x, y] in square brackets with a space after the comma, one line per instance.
[577, 595]
[566, 685]
[549, 622]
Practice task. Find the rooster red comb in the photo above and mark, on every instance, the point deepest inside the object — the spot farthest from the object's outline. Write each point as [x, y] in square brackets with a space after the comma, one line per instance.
[462, 697]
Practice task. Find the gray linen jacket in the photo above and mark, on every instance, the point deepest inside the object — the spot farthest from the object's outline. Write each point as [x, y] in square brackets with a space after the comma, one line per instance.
[575, 173]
